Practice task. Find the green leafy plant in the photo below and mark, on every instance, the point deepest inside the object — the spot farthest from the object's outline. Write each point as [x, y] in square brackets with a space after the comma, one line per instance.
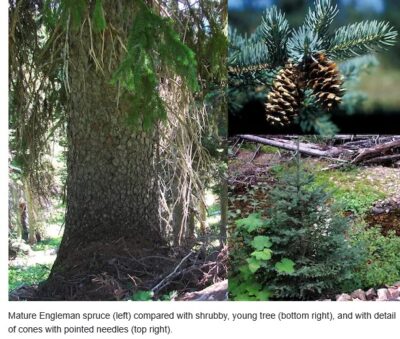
[18, 276]
[251, 258]
[285, 266]
[381, 264]
[142, 296]
[349, 189]
[251, 223]
[149, 296]
[356, 202]
[47, 244]
[169, 296]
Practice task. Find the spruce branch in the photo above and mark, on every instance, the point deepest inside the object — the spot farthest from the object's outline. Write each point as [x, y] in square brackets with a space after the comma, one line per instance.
[256, 55]
[313, 50]
[248, 55]
[352, 68]
[275, 30]
[321, 17]
[236, 41]
[152, 43]
[313, 119]
[99, 21]
[244, 52]
[303, 43]
[74, 9]
[235, 38]
[361, 38]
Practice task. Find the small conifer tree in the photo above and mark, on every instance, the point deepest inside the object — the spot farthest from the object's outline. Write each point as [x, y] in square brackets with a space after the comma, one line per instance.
[306, 227]
[294, 71]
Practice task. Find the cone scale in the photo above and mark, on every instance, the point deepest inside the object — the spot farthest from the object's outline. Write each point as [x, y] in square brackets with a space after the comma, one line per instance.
[322, 76]
[284, 99]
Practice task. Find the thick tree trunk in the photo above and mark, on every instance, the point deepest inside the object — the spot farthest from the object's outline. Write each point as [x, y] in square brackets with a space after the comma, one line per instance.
[112, 188]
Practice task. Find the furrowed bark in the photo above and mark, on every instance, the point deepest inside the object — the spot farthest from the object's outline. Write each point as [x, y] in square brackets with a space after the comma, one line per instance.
[112, 186]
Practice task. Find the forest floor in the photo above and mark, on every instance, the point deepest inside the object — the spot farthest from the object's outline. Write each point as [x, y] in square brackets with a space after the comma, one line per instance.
[33, 263]
[369, 196]
[359, 190]
[43, 253]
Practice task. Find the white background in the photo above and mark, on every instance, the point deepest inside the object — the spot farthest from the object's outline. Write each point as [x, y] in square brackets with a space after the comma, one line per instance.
[181, 328]
[211, 329]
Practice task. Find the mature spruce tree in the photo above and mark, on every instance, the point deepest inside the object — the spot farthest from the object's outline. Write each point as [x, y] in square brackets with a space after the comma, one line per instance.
[112, 187]
[108, 60]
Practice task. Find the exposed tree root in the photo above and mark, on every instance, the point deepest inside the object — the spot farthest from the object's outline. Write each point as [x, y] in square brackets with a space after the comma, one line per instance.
[115, 271]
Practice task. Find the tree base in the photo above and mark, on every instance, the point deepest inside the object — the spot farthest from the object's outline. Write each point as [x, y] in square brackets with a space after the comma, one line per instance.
[117, 270]
[105, 271]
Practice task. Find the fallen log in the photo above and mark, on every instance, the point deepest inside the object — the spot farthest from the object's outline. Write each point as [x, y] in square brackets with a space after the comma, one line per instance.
[367, 153]
[385, 158]
[375, 150]
[306, 148]
[352, 138]
[370, 142]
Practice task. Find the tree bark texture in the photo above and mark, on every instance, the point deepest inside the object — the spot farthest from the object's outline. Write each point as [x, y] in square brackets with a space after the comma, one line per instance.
[112, 187]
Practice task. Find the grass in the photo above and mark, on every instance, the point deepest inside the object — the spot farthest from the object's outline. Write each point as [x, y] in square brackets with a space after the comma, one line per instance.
[349, 189]
[269, 149]
[18, 276]
[47, 244]
[249, 146]
[29, 275]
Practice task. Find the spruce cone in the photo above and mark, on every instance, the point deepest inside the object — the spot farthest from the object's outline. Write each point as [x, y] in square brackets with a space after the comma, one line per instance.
[322, 76]
[285, 97]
